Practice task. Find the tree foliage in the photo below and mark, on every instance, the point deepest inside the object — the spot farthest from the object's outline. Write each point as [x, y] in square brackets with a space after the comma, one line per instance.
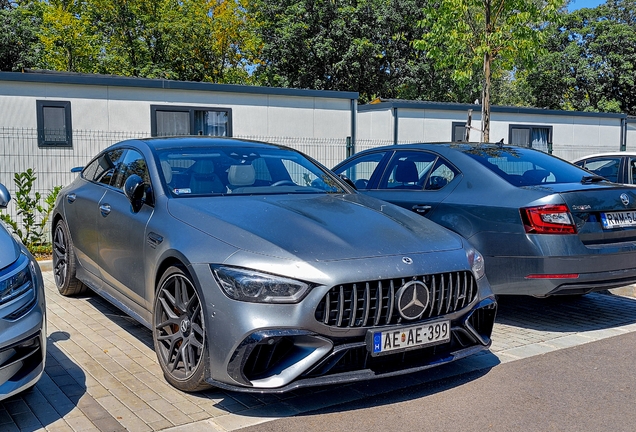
[496, 34]
[364, 46]
[590, 63]
[194, 40]
[19, 42]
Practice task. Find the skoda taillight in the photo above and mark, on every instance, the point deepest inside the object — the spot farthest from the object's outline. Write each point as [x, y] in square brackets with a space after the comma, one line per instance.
[548, 219]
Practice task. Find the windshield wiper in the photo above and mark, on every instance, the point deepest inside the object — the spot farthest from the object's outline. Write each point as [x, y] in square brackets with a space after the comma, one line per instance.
[593, 179]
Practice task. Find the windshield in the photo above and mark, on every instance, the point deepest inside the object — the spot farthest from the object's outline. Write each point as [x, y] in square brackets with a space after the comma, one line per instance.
[527, 167]
[234, 170]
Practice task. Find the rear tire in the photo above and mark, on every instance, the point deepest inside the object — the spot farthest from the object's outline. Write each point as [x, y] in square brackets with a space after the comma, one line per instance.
[179, 333]
[64, 264]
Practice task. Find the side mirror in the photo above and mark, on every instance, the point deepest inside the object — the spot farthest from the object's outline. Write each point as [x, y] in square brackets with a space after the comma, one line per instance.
[5, 197]
[347, 180]
[135, 190]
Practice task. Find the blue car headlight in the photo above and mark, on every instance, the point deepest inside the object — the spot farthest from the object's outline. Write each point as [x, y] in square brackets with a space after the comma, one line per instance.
[17, 280]
[256, 287]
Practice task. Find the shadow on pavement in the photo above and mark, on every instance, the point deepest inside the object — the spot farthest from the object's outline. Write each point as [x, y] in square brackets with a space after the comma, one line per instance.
[594, 311]
[60, 390]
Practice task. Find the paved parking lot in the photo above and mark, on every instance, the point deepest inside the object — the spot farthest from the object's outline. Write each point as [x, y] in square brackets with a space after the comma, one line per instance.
[102, 373]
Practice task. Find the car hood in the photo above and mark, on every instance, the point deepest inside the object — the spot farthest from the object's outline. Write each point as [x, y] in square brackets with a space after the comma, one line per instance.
[9, 249]
[313, 227]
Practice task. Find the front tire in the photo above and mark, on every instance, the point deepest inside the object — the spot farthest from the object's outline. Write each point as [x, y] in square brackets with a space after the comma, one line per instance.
[178, 332]
[64, 262]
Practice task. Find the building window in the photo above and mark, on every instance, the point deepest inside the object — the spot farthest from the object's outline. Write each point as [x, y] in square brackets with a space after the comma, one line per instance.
[179, 120]
[54, 123]
[538, 137]
[459, 132]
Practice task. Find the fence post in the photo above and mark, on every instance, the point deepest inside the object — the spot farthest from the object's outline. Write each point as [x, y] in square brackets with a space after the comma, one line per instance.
[350, 147]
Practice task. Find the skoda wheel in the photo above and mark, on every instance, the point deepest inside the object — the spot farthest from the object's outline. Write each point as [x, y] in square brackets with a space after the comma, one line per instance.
[64, 262]
[179, 332]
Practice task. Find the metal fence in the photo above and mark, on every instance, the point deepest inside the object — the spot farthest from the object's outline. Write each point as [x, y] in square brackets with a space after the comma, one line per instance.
[19, 151]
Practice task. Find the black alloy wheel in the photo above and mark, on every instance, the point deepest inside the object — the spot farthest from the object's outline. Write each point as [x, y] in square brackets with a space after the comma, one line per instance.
[179, 332]
[64, 262]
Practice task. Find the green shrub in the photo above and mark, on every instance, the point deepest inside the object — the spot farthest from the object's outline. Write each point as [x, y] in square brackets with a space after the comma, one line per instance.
[29, 228]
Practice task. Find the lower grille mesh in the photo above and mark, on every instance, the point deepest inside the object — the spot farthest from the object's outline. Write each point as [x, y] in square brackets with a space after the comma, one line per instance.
[372, 303]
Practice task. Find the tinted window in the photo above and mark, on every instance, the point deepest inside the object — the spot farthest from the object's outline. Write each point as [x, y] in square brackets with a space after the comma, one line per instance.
[132, 163]
[102, 168]
[418, 170]
[526, 167]
[604, 166]
[360, 169]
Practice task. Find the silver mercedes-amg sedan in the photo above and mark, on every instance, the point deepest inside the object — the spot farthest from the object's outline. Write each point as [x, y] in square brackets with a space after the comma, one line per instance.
[257, 269]
[22, 314]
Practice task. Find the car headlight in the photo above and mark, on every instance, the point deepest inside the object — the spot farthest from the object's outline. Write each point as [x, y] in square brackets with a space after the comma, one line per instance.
[256, 287]
[16, 281]
[476, 261]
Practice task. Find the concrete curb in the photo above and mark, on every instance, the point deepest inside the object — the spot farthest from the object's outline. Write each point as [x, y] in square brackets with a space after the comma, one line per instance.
[46, 265]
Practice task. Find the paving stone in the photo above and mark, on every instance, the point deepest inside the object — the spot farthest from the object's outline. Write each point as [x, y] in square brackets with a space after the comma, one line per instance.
[102, 373]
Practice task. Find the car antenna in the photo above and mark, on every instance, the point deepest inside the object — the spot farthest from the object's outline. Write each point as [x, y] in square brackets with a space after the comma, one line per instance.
[501, 143]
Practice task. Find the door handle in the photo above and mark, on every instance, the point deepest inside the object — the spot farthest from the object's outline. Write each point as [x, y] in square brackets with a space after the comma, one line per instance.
[71, 198]
[104, 209]
[421, 208]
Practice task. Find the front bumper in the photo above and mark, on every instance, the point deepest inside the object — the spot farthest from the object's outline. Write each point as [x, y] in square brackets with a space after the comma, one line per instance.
[23, 339]
[280, 360]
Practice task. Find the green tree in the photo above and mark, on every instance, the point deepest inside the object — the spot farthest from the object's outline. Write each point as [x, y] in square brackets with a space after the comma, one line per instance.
[19, 43]
[590, 63]
[194, 40]
[364, 46]
[496, 34]
[68, 37]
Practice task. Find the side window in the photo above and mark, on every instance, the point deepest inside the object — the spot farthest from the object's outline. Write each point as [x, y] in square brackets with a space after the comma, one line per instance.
[442, 174]
[54, 123]
[362, 168]
[605, 167]
[132, 163]
[409, 170]
[632, 171]
[102, 169]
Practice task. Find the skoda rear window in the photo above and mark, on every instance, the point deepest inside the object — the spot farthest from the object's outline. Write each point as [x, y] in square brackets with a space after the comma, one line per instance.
[526, 167]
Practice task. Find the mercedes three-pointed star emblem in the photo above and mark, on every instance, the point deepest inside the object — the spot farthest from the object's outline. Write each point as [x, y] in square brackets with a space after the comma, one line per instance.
[412, 299]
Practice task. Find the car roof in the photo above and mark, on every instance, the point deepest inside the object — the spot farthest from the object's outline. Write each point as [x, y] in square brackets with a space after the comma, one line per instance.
[456, 146]
[160, 143]
[614, 153]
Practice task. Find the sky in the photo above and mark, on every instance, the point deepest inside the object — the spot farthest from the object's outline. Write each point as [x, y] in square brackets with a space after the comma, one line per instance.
[580, 4]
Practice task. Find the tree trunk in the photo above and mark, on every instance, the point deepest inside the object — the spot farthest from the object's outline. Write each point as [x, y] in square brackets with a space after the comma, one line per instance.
[485, 90]
[485, 100]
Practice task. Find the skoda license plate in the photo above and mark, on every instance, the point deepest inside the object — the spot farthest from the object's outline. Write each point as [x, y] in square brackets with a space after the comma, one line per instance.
[624, 219]
[403, 338]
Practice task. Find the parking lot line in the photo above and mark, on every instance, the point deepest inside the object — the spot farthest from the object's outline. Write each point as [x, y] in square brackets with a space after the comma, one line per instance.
[102, 373]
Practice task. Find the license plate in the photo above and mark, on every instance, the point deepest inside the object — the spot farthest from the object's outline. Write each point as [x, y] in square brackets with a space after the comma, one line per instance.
[624, 219]
[403, 338]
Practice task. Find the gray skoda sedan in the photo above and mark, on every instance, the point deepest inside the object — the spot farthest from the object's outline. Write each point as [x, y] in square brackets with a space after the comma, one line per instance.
[545, 226]
[257, 269]
[22, 314]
